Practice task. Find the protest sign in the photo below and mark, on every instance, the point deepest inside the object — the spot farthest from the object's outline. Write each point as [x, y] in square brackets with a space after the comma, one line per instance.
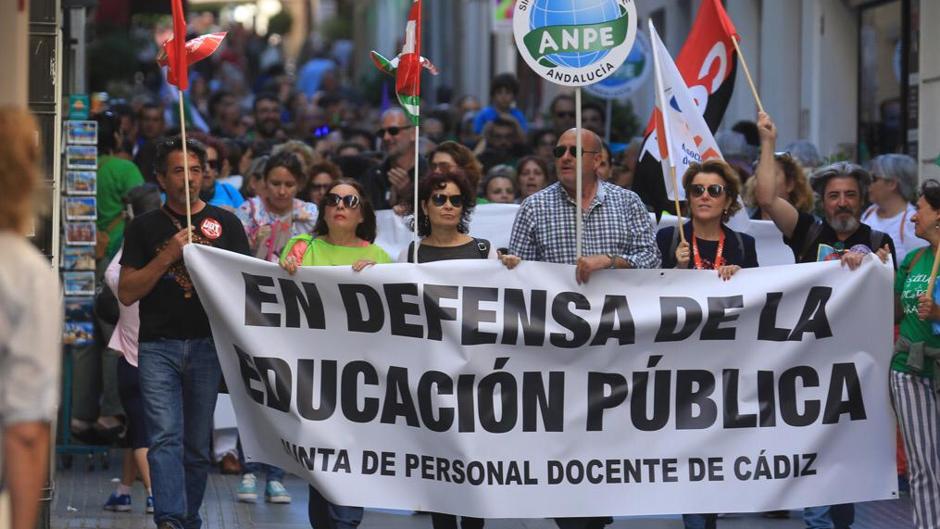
[467, 388]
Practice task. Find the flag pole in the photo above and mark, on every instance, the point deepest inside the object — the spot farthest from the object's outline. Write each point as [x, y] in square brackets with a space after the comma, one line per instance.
[747, 73]
[189, 214]
[658, 84]
[416, 205]
[578, 225]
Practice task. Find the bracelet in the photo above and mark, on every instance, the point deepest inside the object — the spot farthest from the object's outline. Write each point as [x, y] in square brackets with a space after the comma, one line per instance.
[613, 261]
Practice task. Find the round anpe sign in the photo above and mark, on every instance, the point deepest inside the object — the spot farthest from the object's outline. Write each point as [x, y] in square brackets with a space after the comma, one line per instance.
[574, 42]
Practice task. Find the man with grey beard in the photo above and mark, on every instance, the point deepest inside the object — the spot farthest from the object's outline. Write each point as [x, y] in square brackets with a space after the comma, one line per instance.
[842, 187]
[840, 236]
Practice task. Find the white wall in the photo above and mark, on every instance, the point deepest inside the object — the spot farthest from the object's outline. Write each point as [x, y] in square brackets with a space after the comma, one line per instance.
[929, 114]
[14, 55]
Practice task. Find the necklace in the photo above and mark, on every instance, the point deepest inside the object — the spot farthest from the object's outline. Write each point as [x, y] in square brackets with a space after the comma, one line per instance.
[719, 260]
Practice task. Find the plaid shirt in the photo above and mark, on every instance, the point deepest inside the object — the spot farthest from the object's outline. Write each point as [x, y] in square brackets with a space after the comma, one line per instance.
[615, 223]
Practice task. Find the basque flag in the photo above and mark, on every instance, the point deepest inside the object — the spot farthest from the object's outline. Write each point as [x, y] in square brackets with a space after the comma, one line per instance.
[708, 64]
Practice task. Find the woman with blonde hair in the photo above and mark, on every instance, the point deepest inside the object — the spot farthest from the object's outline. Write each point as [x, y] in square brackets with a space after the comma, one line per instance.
[31, 318]
[792, 186]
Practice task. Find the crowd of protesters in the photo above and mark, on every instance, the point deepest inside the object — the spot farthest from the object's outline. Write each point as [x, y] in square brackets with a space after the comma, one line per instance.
[293, 171]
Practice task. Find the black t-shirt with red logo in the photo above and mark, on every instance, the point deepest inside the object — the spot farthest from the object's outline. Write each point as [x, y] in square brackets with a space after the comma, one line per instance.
[172, 309]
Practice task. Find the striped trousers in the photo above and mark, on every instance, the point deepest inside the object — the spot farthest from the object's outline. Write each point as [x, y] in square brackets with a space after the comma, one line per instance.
[915, 404]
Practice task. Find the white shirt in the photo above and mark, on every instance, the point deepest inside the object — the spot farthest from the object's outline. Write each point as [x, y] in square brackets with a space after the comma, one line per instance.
[898, 227]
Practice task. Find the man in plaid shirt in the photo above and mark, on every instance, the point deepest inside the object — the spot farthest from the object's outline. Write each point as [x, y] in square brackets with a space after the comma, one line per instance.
[617, 229]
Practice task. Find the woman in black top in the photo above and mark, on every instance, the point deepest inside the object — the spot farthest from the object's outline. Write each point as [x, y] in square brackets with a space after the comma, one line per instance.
[446, 201]
[712, 191]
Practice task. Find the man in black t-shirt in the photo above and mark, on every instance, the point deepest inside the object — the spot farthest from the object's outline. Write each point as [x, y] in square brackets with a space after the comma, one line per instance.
[840, 236]
[179, 369]
[842, 186]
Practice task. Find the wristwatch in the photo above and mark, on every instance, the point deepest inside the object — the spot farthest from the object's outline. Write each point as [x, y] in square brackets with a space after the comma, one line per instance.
[613, 261]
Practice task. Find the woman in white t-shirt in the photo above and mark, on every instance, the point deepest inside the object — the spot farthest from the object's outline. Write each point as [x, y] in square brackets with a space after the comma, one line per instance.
[893, 187]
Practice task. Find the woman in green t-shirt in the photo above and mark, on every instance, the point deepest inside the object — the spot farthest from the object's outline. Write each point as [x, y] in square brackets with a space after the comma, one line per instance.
[913, 386]
[344, 235]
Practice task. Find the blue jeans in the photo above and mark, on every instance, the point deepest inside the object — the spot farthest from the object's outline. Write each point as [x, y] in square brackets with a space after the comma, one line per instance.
[326, 515]
[271, 472]
[829, 516]
[700, 521]
[179, 382]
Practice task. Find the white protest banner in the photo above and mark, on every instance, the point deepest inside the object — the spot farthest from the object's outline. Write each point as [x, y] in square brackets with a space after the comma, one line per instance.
[466, 388]
[492, 222]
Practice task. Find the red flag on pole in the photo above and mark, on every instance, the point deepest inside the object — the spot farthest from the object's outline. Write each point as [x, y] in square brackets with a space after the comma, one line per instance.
[196, 50]
[176, 49]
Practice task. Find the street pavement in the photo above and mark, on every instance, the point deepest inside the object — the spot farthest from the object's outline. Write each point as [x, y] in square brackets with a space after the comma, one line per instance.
[80, 493]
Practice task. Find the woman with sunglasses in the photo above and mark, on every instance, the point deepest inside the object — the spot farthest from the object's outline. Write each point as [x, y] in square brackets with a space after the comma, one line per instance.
[279, 215]
[446, 203]
[914, 364]
[343, 235]
[712, 192]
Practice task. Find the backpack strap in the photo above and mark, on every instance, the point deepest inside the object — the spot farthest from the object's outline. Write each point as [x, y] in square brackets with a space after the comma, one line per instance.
[878, 239]
[920, 253]
[411, 252]
[811, 235]
[484, 246]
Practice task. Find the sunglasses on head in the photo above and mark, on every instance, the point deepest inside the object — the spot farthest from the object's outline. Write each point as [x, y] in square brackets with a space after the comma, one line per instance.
[570, 149]
[350, 201]
[392, 131]
[439, 199]
[714, 190]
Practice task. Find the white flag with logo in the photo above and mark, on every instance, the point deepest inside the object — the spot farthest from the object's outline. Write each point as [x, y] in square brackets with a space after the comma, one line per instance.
[683, 137]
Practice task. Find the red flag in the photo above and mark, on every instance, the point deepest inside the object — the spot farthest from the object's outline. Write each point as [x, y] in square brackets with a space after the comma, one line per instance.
[197, 49]
[708, 64]
[408, 76]
[176, 50]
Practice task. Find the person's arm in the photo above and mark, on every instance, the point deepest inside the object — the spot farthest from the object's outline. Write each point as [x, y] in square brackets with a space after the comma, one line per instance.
[641, 250]
[522, 239]
[26, 460]
[784, 215]
[136, 283]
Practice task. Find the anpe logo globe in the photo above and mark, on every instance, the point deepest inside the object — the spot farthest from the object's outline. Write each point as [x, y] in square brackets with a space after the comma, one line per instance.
[574, 42]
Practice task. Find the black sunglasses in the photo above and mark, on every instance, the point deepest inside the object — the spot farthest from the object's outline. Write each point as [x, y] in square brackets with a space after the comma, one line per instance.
[714, 190]
[392, 131]
[564, 114]
[440, 199]
[571, 149]
[350, 201]
[215, 164]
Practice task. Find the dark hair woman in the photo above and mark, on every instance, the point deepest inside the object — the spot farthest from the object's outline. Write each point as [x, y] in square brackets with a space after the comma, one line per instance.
[712, 189]
[914, 364]
[446, 203]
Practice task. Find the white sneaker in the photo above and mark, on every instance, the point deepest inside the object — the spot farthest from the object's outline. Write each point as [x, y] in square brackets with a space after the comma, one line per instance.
[246, 490]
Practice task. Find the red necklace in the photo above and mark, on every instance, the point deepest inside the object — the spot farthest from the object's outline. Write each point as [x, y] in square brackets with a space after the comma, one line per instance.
[718, 253]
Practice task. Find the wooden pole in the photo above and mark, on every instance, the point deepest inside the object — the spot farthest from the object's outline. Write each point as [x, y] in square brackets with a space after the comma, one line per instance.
[675, 196]
[747, 73]
[189, 214]
[932, 282]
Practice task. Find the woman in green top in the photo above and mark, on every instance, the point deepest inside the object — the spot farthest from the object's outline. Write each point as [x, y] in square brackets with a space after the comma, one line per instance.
[913, 387]
[345, 231]
[343, 235]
